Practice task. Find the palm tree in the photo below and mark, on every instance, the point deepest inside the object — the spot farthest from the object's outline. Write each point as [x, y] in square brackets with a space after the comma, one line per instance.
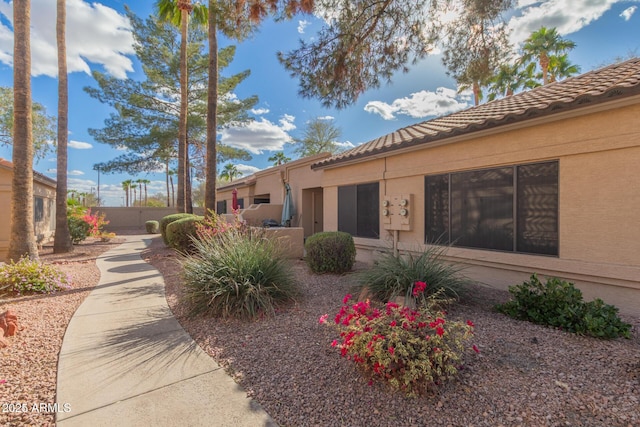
[560, 67]
[177, 12]
[22, 239]
[279, 158]
[541, 45]
[140, 182]
[170, 174]
[126, 186]
[133, 188]
[230, 172]
[234, 19]
[62, 239]
[143, 182]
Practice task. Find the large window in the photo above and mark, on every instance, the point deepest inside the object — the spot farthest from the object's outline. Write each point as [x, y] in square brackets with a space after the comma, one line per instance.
[221, 207]
[512, 208]
[359, 210]
[38, 209]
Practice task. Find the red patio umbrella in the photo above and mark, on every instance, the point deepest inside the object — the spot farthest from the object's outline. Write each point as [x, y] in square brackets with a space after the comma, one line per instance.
[234, 199]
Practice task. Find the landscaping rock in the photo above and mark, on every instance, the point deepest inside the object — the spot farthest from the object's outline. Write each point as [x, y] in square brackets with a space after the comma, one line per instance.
[8, 323]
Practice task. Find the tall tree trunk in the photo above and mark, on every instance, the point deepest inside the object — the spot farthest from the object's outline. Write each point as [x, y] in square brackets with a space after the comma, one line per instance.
[212, 111]
[182, 124]
[22, 237]
[62, 240]
[166, 169]
[173, 193]
[544, 64]
[188, 200]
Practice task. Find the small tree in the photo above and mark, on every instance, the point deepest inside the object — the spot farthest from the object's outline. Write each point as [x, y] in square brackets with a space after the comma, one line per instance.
[279, 158]
[320, 136]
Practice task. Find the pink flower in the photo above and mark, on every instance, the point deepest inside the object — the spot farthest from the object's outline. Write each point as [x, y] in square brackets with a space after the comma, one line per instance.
[346, 298]
[391, 350]
[334, 343]
[440, 331]
[323, 319]
[3, 381]
[476, 349]
[393, 323]
[470, 323]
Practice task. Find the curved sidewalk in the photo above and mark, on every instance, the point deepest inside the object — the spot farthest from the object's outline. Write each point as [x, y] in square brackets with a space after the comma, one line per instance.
[126, 361]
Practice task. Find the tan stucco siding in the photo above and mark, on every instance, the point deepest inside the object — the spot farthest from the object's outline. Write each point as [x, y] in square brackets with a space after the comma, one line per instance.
[600, 207]
[599, 199]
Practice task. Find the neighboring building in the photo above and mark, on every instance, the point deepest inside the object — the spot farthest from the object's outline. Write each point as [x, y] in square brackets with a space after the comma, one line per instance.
[44, 217]
[544, 181]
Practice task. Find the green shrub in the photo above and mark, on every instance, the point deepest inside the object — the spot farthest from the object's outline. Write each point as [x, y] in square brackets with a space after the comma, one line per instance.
[152, 227]
[559, 303]
[330, 252]
[392, 276]
[165, 221]
[29, 276]
[410, 350]
[180, 233]
[79, 229]
[237, 274]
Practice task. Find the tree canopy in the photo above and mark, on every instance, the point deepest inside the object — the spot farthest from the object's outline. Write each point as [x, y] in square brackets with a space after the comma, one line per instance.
[146, 114]
[44, 126]
[319, 136]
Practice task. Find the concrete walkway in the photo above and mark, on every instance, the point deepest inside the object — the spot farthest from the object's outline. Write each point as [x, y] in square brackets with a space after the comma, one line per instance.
[126, 361]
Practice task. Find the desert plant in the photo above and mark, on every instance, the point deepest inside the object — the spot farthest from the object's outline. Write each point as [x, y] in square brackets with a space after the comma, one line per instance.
[152, 227]
[330, 252]
[181, 233]
[411, 350]
[558, 303]
[78, 228]
[391, 276]
[29, 276]
[165, 221]
[238, 273]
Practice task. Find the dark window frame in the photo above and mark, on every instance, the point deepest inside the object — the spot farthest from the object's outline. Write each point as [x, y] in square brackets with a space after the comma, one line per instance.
[532, 228]
[355, 218]
[38, 209]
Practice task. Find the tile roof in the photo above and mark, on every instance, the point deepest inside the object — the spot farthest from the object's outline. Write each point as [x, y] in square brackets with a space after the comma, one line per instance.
[37, 176]
[606, 84]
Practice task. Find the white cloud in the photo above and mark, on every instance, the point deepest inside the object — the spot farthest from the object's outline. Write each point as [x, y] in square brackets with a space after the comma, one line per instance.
[420, 104]
[567, 16]
[326, 118]
[259, 111]
[260, 135]
[345, 145]
[96, 34]
[246, 170]
[286, 122]
[302, 24]
[628, 12]
[74, 172]
[79, 145]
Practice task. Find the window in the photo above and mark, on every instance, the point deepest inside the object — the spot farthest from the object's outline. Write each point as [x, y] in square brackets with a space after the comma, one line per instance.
[241, 203]
[38, 209]
[359, 210]
[511, 208]
[221, 207]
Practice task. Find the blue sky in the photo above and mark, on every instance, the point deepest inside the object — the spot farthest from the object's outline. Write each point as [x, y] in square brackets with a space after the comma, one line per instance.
[98, 38]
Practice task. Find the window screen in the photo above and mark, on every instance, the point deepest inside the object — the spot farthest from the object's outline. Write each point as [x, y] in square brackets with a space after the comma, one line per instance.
[221, 207]
[511, 208]
[38, 209]
[359, 210]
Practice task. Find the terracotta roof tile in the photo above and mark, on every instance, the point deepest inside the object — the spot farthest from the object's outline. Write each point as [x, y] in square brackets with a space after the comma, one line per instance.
[609, 83]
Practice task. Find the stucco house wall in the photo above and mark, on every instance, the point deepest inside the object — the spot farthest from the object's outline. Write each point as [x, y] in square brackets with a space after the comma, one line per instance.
[44, 193]
[597, 148]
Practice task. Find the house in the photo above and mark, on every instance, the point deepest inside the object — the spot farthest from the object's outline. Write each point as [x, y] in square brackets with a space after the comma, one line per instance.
[544, 181]
[44, 218]
[261, 195]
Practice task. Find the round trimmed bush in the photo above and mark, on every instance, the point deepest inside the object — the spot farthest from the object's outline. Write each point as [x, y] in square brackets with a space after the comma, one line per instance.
[152, 227]
[165, 221]
[330, 252]
[180, 233]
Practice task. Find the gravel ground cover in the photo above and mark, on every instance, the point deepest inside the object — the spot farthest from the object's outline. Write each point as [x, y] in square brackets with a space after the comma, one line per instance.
[524, 375]
[28, 367]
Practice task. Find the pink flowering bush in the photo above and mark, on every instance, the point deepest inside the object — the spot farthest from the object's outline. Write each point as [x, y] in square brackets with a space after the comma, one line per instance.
[411, 350]
[29, 276]
[214, 224]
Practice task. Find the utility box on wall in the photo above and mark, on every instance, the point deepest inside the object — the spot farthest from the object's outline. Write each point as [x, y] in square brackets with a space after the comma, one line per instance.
[397, 211]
